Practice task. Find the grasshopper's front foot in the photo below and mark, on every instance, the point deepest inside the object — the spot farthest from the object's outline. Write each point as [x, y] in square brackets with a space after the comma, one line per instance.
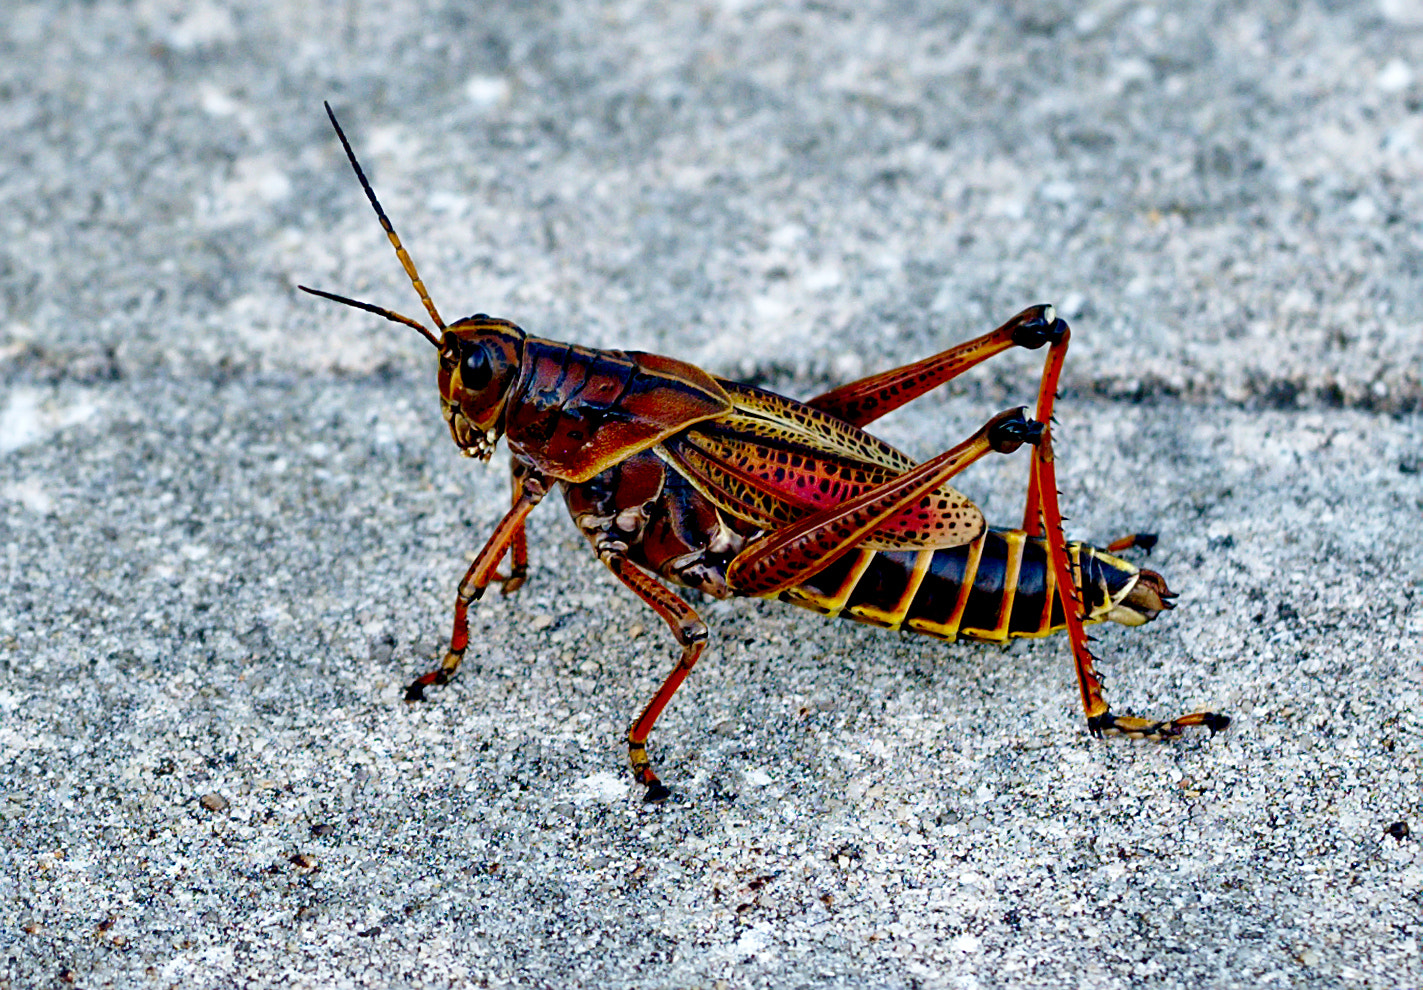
[435, 678]
[657, 792]
[1144, 728]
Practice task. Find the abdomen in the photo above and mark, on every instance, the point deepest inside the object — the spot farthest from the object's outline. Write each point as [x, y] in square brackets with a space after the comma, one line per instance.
[997, 587]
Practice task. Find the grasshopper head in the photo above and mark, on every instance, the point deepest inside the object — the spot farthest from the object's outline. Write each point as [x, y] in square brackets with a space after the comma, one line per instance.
[479, 364]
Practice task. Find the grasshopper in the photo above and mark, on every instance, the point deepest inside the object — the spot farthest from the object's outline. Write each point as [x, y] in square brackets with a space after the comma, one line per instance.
[675, 474]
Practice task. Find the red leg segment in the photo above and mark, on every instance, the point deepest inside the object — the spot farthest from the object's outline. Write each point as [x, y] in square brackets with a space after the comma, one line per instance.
[477, 578]
[518, 541]
[1047, 394]
[1043, 511]
[868, 399]
[691, 633]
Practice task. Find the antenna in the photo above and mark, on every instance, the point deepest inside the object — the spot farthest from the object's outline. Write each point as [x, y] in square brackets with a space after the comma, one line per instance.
[389, 314]
[400, 253]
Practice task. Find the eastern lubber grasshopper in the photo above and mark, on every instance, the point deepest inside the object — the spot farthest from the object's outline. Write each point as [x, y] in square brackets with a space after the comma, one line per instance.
[711, 484]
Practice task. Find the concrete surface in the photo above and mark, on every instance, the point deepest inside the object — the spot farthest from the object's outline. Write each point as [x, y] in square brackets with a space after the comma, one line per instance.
[233, 520]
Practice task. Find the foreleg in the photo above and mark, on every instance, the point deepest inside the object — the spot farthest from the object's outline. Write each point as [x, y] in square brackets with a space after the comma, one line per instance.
[478, 577]
[518, 541]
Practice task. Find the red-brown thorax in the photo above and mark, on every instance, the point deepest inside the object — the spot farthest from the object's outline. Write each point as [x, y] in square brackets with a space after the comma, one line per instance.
[570, 411]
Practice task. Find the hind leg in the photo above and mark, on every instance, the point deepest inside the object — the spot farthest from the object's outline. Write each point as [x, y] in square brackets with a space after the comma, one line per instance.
[1044, 516]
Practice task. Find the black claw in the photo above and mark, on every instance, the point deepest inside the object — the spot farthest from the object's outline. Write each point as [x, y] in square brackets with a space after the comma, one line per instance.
[1217, 723]
[416, 690]
[657, 792]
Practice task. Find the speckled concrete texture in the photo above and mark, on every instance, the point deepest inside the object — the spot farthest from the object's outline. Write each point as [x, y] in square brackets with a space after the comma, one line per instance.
[233, 520]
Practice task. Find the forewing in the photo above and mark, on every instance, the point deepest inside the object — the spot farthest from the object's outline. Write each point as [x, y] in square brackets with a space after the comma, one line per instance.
[773, 461]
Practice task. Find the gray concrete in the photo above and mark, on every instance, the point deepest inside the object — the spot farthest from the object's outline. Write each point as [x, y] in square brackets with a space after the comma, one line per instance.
[233, 520]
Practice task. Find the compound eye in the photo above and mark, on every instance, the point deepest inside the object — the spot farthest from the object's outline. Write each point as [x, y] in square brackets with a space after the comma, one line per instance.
[476, 371]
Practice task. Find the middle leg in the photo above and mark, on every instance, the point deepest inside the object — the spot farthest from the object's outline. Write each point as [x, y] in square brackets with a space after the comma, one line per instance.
[691, 633]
